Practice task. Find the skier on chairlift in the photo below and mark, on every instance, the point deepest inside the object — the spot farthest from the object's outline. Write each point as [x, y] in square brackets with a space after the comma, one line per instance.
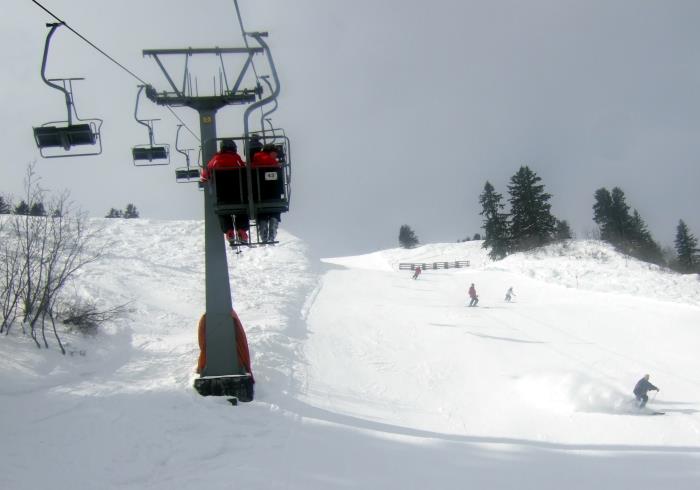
[266, 157]
[228, 157]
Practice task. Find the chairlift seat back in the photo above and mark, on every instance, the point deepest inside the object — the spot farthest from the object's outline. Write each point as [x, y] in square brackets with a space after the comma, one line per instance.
[183, 175]
[151, 154]
[269, 190]
[231, 187]
[65, 136]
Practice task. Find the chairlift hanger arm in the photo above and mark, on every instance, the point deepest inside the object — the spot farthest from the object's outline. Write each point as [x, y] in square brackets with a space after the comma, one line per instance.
[47, 81]
[145, 122]
[275, 92]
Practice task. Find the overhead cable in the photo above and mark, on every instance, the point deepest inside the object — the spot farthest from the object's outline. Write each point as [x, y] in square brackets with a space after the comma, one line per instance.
[103, 53]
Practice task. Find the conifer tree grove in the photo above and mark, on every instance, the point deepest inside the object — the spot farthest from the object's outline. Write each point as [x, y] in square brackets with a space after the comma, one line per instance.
[627, 233]
[531, 222]
[131, 211]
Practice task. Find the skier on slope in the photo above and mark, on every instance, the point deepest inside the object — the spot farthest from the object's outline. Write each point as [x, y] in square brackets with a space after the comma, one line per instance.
[509, 294]
[641, 388]
[417, 272]
[472, 294]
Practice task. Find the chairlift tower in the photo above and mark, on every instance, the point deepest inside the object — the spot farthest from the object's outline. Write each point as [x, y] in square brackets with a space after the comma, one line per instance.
[221, 354]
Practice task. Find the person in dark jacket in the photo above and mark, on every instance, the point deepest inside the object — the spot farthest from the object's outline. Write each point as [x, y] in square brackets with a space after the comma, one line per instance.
[641, 388]
[472, 294]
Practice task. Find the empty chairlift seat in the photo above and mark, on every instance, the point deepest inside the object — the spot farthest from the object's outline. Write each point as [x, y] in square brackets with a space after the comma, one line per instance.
[151, 154]
[65, 136]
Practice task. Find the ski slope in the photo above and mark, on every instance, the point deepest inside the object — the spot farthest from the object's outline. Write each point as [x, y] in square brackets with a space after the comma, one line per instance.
[365, 378]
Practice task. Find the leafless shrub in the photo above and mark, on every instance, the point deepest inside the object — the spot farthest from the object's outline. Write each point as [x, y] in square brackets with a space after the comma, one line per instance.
[41, 254]
[83, 316]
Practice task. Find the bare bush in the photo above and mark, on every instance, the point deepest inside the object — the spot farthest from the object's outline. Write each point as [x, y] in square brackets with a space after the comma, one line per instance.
[41, 255]
[83, 316]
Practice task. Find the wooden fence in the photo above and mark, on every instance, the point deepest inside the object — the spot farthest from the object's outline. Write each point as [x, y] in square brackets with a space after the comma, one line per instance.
[434, 265]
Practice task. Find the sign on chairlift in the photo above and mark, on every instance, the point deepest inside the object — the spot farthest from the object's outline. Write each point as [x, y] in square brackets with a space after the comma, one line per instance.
[270, 175]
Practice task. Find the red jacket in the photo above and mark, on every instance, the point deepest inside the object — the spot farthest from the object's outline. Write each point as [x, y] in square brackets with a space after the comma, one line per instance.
[222, 159]
[265, 159]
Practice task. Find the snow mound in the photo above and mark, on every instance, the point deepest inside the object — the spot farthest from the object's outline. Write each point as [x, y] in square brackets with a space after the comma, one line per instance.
[596, 266]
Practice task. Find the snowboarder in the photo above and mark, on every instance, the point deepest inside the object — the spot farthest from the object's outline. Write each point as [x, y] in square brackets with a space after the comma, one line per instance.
[641, 389]
[472, 294]
[416, 272]
[509, 294]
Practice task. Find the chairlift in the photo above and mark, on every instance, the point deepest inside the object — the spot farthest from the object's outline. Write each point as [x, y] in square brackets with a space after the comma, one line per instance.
[55, 139]
[252, 191]
[189, 173]
[149, 154]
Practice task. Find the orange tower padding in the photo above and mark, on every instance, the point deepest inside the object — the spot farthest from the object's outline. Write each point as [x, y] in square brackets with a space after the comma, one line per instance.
[241, 344]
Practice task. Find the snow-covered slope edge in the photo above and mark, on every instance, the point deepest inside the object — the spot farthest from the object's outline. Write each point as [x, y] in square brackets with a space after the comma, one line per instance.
[585, 264]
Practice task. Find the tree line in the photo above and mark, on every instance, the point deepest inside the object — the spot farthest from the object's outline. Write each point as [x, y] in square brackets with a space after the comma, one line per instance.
[39, 209]
[529, 223]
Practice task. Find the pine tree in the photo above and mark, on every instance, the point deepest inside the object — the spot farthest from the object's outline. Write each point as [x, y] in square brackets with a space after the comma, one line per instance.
[495, 224]
[562, 230]
[601, 212]
[37, 209]
[114, 213]
[686, 244]
[22, 208]
[130, 211]
[4, 206]
[407, 238]
[640, 243]
[531, 222]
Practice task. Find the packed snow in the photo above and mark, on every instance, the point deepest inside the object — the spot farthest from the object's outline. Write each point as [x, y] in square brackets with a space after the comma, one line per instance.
[365, 378]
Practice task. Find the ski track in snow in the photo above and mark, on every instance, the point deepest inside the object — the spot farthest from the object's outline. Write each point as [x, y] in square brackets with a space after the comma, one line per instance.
[365, 378]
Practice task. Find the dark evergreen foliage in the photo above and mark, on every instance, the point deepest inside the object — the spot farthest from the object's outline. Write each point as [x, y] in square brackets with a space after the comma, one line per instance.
[687, 252]
[4, 206]
[627, 233]
[477, 236]
[131, 211]
[114, 213]
[495, 224]
[531, 222]
[407, 237]
[22, 208]
[37, 209]
[562, 230]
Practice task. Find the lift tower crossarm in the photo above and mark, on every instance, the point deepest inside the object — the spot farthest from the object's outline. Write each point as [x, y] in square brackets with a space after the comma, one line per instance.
[179, 97]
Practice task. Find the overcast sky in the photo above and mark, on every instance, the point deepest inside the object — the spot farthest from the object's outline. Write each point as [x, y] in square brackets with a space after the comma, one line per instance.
[398, 111]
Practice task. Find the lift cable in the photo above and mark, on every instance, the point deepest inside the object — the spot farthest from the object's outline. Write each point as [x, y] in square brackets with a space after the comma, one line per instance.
[110, 59]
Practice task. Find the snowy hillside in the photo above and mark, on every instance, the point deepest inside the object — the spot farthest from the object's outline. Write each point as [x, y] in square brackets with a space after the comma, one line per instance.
[365, 378]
